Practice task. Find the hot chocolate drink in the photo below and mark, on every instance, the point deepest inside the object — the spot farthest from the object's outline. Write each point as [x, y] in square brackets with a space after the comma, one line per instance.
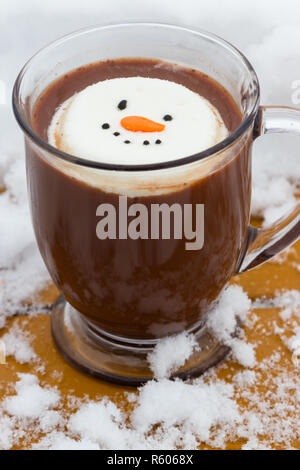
[102, 233]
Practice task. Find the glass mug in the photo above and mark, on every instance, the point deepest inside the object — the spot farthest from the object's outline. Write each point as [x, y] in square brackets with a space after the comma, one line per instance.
[120, 296]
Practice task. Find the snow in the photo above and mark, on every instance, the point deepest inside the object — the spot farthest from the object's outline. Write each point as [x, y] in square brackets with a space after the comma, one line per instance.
[170, 354]
[17, 344]
[164, 414]
[166, 403]
[31, 400]
[223, 320]
[232, 307]
[59, 441]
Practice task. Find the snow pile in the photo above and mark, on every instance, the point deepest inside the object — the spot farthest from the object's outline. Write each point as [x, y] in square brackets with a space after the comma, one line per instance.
[170, 354]
[167, 414]
[170, 414]
[17, 344]
[22, 270]
[31, 407]
[163, 414]
[31, 400]
[186, 413]
[224, 319]
[285, 300]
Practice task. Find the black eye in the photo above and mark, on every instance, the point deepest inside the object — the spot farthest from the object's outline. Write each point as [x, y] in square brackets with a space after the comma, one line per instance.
[122, 105]
[167, 117]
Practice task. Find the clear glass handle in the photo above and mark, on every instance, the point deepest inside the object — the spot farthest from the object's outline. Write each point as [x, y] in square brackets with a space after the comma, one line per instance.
[263, 244]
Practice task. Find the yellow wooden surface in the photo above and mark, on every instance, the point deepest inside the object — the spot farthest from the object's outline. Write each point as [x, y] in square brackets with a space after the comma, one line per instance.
[282, 273]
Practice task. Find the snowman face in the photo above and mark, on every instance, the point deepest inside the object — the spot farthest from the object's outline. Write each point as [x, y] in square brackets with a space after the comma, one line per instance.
[136, 120]
[139, 124]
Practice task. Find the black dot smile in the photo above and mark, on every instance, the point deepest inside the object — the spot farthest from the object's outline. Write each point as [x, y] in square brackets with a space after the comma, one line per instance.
[123, 105]
[116, 134]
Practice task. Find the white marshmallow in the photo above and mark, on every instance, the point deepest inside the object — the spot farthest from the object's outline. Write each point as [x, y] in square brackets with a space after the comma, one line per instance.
[76, 126]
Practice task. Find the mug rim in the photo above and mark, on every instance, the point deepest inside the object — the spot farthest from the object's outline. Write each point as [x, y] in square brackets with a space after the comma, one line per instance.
[176, 162]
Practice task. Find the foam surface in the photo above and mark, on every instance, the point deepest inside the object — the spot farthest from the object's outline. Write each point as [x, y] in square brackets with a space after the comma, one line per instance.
[192, 123]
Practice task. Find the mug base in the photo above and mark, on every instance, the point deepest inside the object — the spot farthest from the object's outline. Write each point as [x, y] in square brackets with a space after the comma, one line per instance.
[116, 361]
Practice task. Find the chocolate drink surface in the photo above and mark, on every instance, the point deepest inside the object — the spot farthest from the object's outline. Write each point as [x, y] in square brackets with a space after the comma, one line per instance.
[138, 288]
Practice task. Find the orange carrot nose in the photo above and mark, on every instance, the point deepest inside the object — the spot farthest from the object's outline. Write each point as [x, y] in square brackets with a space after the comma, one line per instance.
[142, 124]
